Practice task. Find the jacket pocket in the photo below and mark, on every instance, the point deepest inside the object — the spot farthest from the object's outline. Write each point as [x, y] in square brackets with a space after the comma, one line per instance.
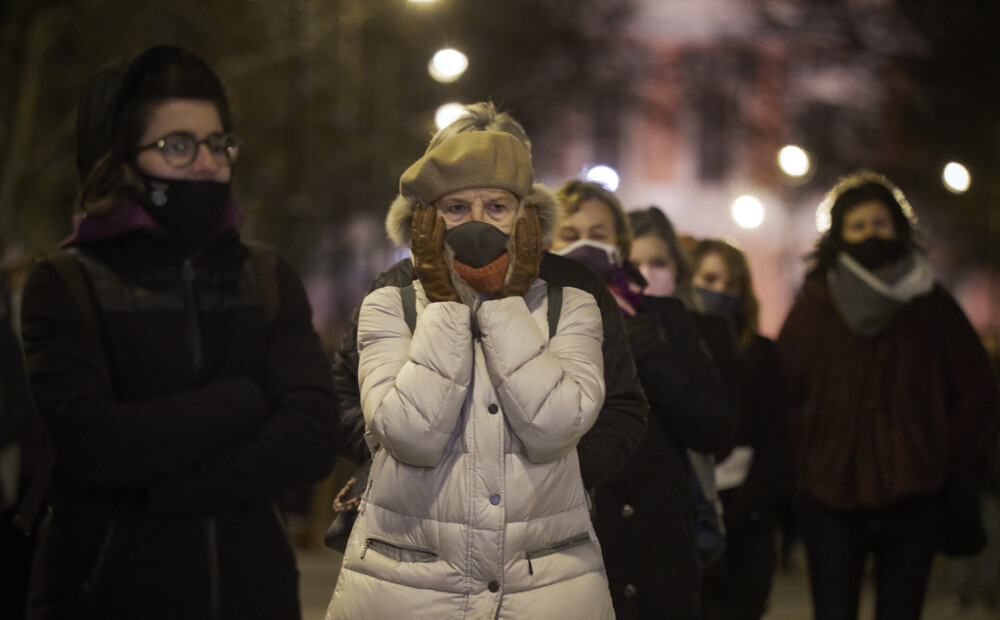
[399, 551]
[558, 547]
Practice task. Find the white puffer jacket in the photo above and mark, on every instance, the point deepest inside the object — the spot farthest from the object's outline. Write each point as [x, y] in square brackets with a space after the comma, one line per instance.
[476, 508]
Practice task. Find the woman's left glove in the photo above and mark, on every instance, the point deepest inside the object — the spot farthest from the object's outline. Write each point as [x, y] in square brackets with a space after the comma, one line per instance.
[427, 247]
[527, 254]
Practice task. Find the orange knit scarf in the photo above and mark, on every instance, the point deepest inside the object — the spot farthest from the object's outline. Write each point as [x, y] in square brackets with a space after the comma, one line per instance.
[485, 279]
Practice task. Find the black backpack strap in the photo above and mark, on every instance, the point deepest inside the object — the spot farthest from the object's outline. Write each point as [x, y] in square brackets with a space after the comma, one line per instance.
[71, 271]
[409, 295]
[264, 262]
[555, 308]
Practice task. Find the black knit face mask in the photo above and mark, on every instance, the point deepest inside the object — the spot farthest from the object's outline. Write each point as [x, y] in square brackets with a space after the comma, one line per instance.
[477, 244]
[190, 211]
[874, 252]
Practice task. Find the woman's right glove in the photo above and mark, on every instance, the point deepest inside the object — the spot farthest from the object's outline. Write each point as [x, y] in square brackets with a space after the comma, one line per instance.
[427, 248]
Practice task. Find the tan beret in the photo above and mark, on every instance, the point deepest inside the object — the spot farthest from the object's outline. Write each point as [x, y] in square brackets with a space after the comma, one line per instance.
[468, 160]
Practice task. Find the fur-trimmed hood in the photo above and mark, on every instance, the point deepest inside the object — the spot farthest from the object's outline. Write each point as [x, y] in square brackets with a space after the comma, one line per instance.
[854, 181]
[399, 221]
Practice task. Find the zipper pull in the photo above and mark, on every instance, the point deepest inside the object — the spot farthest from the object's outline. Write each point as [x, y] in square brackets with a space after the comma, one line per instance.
[362, 504]
[365, 550]
[531, 571]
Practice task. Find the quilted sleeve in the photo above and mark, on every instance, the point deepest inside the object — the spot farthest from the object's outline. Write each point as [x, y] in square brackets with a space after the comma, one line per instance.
[551, 391]
[413, 386]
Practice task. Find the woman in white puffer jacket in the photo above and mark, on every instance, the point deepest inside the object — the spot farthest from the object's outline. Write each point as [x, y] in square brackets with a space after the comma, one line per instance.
[475, 506]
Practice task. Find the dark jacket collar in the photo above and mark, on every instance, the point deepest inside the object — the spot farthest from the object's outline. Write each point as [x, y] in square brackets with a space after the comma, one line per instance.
[131, 217]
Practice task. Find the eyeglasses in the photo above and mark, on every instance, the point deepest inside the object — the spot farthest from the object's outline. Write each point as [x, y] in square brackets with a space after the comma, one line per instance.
[180, 149]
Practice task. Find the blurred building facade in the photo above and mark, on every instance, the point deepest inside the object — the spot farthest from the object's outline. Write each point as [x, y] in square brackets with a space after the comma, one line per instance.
[722, 85]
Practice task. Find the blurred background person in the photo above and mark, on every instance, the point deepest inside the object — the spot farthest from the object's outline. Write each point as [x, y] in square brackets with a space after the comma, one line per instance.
[644, 514]
[753, 478]
[891, 395]
[175, 368]
[657, 254]
[974, 582]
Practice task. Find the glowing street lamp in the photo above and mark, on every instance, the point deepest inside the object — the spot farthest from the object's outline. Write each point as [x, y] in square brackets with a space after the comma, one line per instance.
[448, 114]
[748, 212]
[605, 175]
[956, 178]
[448, 65]
[793, 161]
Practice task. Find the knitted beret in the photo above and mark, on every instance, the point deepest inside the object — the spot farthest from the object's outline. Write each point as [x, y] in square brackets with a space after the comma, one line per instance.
[468, 160]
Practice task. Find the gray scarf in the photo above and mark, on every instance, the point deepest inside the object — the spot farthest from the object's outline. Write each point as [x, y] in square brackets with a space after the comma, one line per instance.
[867, 302]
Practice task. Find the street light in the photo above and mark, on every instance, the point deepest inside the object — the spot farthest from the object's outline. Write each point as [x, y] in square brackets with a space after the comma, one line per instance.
[956, 178]
[448, 114]
[448, 65]
[793, 160]
[605, 175]
[748, 212]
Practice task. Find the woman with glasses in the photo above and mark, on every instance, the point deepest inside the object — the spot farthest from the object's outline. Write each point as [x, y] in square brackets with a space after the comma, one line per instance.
[175, 368]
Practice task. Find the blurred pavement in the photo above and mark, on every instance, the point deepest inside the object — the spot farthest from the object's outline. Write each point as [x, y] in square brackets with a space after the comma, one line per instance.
[789, 596]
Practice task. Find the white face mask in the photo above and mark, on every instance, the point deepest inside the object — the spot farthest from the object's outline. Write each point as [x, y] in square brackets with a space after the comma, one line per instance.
[587, 247]
[601, 258]
[660, 281]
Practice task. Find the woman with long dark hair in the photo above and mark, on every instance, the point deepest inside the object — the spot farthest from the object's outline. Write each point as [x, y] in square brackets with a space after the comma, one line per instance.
[891, 393]
[753, 478]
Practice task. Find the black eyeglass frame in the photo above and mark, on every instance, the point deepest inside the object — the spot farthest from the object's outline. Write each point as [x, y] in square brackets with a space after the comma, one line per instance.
[230, 143]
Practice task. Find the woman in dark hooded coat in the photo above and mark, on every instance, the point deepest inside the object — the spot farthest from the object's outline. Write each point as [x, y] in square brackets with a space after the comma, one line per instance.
[175, 368]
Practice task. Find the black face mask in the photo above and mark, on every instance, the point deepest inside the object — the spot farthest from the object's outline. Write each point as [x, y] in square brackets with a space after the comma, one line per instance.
[721, 304]
[875, 252]
[190, 211]
[476, 244]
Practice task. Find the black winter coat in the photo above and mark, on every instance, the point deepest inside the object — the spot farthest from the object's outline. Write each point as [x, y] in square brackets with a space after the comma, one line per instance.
[621, 423]
[175, 428]
[644, 516]
[756, 507]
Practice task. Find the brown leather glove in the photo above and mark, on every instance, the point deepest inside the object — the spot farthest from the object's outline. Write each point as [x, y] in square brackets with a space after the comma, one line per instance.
[427, 247]
[527, 254]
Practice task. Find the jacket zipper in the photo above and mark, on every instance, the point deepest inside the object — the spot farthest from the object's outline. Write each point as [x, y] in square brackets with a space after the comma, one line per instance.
[562, 545]
[420, 549]
[364, 496]
[102, 554]
[192, 315]
[211, 540]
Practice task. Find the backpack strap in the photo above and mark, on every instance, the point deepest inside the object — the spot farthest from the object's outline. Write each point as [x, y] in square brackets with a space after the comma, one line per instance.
[71, 272]
[264, 262]
[555, 308]
[409, 295]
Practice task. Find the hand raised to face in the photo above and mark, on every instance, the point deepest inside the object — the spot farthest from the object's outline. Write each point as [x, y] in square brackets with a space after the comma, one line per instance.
[427, 247]
[528, 254]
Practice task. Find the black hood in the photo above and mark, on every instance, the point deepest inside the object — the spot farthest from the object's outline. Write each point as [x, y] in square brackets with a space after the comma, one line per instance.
[116, 86]
[97, 111]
